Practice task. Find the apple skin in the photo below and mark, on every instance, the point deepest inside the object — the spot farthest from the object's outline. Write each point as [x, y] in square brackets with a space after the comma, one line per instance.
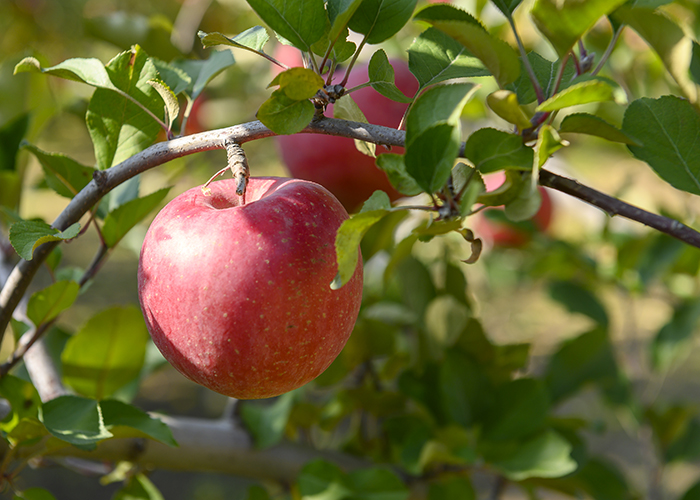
[335, 162]
[238, 298]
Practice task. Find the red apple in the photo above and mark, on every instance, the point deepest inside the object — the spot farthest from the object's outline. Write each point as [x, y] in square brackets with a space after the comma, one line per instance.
[237, 297]
[492, 226]
[335, 162]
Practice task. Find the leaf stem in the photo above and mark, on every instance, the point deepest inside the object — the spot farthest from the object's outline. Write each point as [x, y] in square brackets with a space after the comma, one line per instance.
[608, 50]
[526, 62]
[353, 60]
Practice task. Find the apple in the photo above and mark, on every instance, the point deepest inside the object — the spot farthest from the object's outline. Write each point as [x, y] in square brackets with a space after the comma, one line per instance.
[496, 230]
[237, 296]
[335, 162]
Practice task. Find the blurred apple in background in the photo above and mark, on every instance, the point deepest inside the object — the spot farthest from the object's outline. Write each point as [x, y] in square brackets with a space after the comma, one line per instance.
[492, 225]
[335, 162]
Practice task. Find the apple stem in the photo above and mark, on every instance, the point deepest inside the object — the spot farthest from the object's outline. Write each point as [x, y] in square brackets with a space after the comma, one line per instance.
[237, 164]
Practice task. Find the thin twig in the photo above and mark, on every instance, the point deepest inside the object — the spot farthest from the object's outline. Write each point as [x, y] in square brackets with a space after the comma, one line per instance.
[612, 206]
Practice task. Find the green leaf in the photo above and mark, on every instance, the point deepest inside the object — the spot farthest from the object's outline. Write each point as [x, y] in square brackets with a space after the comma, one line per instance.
[123, 419]
[25, 404]
[252, 39]
[89, 71]
[695, 63]
[564, 22]
[669, 128]
[118, 126]
[339, 13]
[323, 481]
[548, 142]
[63, 174]
[202, 72]
[520, 409]
[593, 90]
[379, 20]
[285, 116]
[588, 358]
[34, 494]
[174, 77]
[298, 83]
[546, 455]
[507, 6]
[347, 243]
[437, 105]
[430, 156]
[505, 104]
[120, 220]
[435, 57]
[692, 493]
[26, 235]
[139, 487]
[301, 22]
[11, 134]
[546, 73]
[257, 492]
[48, 303]
[377, 484]
[452, 488]
[497, 56]
[577, 299]
[433, 134]
[76, 420]
[172, 106]
[673, 337]
[381, 77]
[585, 123]
[395, 168]
[491, 150]
[667, 38]
[267, 423]
[106, 353]
[346, 108]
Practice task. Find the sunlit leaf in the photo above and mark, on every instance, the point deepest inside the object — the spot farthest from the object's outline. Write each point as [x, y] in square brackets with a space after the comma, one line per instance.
[44, 305]
[667, 38]
[547, 455]
[252, 39]
[505, 104]
[585, 123]
[298, 83]
[593, 90]
[120, 128]
[564, 22]
[106, 353]
[347, 243]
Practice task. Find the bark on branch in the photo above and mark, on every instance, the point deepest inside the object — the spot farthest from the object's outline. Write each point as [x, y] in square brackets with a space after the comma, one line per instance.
[158, 154]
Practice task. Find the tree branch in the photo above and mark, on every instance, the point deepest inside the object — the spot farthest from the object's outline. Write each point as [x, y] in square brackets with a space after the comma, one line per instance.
[210, 446]
[158, 154]
[612, 206]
